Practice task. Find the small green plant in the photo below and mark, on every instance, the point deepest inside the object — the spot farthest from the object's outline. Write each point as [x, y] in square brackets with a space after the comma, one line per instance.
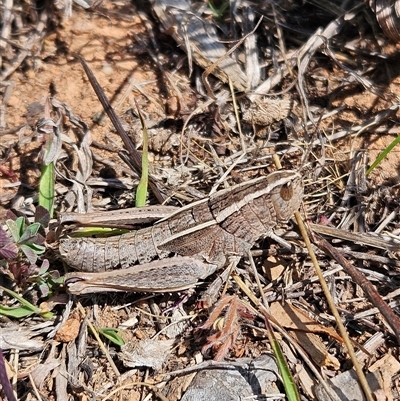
[49, 155]
[46, 280]
[27, 238]
[218, 9]
[141, 191]
[112, 334]
[21, 247]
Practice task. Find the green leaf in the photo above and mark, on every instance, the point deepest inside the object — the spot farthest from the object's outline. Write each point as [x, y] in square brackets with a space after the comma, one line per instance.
[23, 301]
[29, 233]
[44, 267]
[37, 248]
[46, 315]
[112, 334]
[21, 224]
[16, 312]
[25, 310]
[29, 253]
[141, 191]
[16, 227]
[46, 188]
[44, 289]
[57, 280]
[47, 282]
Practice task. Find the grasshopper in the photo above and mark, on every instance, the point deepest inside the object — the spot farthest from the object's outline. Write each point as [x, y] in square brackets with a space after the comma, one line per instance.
[188, 244]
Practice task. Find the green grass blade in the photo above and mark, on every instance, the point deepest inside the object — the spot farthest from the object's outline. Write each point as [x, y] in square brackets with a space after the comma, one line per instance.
[26, 308]
[292, 393]
[218, 11]
[46, 188]
[20, 299]
[141, 191]
[383, 154]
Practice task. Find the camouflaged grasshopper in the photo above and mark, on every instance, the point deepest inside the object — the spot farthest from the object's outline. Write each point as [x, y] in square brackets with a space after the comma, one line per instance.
[188, 244]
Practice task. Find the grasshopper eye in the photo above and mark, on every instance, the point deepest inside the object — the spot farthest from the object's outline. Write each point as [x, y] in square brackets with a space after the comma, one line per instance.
[286, 191]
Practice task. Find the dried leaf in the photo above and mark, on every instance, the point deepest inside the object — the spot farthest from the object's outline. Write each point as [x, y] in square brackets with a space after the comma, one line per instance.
[40, 373]
[19, 337]
[303, 329]
[291, 317]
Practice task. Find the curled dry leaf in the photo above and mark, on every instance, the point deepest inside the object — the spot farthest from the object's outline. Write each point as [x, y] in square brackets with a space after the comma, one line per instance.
[40, 373]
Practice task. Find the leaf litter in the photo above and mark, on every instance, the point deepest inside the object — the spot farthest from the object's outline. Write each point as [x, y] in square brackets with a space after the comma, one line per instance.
[317, 85]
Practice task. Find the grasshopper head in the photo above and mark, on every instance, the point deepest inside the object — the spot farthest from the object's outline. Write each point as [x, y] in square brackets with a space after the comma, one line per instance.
[286, 193]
